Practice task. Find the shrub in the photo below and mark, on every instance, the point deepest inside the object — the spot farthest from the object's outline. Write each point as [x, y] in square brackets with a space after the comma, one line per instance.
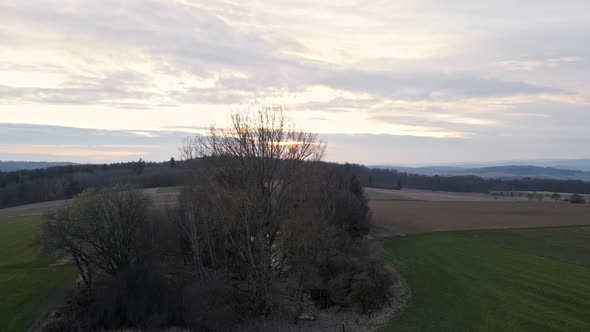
[357, 279]
[369, 287]
[138, 297]
[577, 199]
[212, 306]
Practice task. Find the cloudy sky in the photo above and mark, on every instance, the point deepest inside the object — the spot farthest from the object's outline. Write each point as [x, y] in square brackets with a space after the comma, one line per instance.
[383, 82]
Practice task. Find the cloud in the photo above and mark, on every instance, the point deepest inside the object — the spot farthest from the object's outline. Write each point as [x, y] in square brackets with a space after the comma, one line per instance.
[419, 68]
[186, 42]
[71, 152]
[404, 150]
[528, 137]
[532, 64]
[38, 142]
[431, 85]
[116, 88]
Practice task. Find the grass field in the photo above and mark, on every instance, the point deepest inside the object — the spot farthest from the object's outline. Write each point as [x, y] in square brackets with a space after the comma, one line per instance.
[165, 190]
[28, 284]
[375, 195]
[498, 280]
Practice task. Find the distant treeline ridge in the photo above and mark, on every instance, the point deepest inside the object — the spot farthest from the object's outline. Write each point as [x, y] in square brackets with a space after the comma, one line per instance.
[384, 178]
[62, 182]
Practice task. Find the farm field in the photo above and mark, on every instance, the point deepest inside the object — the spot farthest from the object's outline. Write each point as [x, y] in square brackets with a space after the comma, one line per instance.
[28, 284]
[427, 195]
[33, 209]
[496, 280]
[457, 278]
[398, 217]
[160, 197]
[378, 195]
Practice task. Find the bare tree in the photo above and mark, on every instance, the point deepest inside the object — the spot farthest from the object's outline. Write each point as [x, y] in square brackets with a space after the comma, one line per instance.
[258, 159]
[270, 216]
[103, 229]
[61, 234]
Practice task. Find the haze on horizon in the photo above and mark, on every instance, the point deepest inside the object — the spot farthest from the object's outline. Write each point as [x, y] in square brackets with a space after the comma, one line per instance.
[383, 82]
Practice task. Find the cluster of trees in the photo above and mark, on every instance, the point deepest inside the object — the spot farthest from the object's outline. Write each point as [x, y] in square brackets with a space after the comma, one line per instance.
[385, 178]
[63, 182]
[262, 230]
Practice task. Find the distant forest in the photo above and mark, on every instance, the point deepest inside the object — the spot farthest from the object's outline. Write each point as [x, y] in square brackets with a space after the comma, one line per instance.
[62, 182]
[11, 166]
[383, 178]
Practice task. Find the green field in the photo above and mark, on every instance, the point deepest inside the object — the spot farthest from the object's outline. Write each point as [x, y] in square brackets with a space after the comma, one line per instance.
[508, 280]
[28, 285]
[166, 190]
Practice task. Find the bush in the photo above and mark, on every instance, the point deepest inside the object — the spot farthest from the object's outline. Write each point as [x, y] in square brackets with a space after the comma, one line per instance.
[369, 288]
[357, 279]
[137, 297]
[577, 199]
[211, 306]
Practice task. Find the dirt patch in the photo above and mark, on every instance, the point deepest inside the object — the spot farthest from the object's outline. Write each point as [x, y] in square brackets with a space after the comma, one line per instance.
[393, 217]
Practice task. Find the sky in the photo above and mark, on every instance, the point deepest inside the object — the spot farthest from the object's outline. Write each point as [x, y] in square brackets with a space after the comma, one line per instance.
[381, 82]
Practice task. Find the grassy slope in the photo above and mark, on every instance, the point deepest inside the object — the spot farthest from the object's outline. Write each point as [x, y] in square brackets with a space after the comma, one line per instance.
[378, 196]
[517, 280]
[27, 284]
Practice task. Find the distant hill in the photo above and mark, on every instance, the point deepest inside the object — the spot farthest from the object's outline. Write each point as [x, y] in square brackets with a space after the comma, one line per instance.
[498, 172]
[569, 164]
[10, 166]
[576, 164]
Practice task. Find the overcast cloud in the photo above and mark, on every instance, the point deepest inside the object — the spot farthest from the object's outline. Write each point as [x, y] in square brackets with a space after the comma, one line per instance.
[402, 81]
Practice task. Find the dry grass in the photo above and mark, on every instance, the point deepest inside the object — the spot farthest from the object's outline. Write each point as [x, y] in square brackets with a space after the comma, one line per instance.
[396, 217]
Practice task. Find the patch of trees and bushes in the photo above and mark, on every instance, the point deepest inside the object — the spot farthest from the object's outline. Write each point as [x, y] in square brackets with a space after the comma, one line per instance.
[266, 230]
[577, 199]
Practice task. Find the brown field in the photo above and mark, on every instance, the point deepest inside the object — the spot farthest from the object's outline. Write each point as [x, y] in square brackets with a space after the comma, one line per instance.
[33, 209]
[398, 212]
[398, 217]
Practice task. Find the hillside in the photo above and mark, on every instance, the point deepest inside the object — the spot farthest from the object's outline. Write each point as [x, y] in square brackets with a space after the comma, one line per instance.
[498, 172]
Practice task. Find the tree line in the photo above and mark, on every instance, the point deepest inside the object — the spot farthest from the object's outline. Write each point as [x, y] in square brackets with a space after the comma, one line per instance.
[392, 179]
[63, 182]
